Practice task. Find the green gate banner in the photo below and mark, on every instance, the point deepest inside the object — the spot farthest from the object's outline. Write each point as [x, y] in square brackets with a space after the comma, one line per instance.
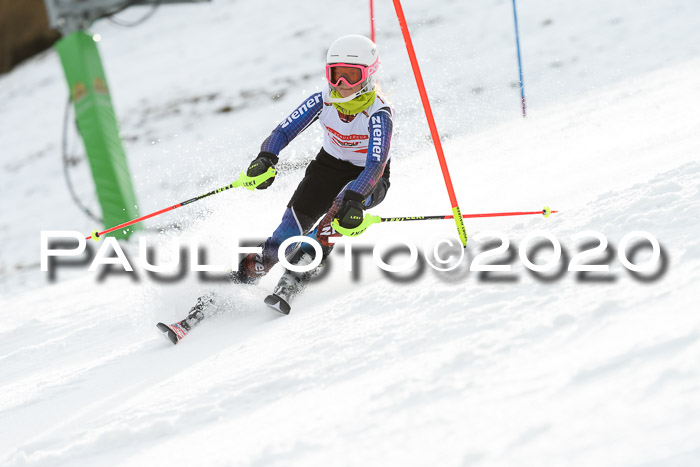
[97, 124]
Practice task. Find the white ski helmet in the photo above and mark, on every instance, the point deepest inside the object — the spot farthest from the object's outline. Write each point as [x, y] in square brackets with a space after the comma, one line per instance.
[354, 50]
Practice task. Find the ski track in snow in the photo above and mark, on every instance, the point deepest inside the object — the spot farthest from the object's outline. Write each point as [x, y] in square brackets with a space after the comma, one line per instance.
[456, 368]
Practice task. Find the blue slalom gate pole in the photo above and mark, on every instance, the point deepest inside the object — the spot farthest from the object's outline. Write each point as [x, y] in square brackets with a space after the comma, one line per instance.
[520, 63]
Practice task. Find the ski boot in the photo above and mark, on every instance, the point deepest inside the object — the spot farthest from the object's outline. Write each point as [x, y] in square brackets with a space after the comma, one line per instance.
[292, 283]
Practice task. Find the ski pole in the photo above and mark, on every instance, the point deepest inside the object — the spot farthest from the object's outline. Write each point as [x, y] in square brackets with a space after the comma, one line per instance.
[371, 219]
[242, 181]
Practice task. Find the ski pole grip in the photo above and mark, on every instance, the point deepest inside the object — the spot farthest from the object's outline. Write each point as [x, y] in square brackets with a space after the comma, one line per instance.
[359, 230]
[252, 182]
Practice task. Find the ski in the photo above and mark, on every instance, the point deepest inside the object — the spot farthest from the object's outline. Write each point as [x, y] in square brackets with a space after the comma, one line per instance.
[174, 332]
[177, 331]
[290, 285]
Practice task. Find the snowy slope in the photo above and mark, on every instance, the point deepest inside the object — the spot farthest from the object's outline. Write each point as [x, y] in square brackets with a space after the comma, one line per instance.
[454, 368]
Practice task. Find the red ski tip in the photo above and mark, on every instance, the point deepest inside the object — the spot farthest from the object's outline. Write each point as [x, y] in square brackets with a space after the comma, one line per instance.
[174, 332]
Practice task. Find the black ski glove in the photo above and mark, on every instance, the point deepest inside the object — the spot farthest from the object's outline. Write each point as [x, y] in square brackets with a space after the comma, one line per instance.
[378, 193]
[351, 210]
[259, 166]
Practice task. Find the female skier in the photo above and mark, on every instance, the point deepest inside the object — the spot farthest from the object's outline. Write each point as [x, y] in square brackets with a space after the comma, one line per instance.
[349, 174]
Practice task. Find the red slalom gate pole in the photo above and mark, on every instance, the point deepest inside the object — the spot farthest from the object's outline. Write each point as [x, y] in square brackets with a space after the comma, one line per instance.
[431, 122]
[371, 19]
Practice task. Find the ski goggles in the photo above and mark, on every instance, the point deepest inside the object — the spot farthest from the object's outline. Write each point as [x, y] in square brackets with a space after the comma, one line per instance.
[349, 73]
